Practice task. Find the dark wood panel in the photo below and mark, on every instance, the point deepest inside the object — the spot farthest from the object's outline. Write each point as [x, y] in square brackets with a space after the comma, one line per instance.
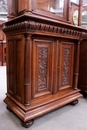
[82, 82]
[19, 91]
[10, 63]
[16, 73]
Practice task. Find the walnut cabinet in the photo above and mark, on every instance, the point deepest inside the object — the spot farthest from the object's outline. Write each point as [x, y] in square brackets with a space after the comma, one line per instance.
[42, 61]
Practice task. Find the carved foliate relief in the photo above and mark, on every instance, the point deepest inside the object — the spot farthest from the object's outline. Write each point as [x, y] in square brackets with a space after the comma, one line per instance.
[65, 77]
[42, 76]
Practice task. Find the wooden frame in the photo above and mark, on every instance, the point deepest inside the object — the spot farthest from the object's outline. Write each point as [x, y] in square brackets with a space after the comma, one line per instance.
[50, 14]
[31, 7]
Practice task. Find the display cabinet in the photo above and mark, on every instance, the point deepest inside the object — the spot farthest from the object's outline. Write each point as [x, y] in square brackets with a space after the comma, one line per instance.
[42, 58]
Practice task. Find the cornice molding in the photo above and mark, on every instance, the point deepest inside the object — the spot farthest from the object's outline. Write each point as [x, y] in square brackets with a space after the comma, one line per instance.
[31, 26]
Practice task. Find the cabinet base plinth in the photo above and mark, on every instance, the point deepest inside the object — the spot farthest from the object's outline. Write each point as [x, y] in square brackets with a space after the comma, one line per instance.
[40, 106]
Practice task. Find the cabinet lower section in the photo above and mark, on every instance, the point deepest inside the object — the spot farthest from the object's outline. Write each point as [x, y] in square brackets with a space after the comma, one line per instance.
[40, 106]
[42, 67]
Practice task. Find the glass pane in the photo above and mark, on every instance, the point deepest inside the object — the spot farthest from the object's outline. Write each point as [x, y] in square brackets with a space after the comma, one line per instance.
[84, 19]
[3, 10]
[85, 2]
[75, 17]
[54, 6]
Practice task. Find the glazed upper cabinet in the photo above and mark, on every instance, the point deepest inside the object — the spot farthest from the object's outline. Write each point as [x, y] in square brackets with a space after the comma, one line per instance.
[55, 8]
[63, 10]
[51, 8]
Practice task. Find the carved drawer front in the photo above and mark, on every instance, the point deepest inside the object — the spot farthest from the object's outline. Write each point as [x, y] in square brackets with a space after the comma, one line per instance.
[42, 67]
[66, 64]
[15, 48]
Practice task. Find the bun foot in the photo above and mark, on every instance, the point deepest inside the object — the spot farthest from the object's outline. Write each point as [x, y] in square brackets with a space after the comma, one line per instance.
[8, 109]
[74, 102]
[28, 123]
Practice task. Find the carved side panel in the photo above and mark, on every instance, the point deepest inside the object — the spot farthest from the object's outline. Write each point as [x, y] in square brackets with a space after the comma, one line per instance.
[66, 64]
[42, 67]
[15, 63]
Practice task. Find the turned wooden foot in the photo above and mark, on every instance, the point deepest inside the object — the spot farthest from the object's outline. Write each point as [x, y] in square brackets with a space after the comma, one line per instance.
[27, 124]
[74, 102]
[8, 109]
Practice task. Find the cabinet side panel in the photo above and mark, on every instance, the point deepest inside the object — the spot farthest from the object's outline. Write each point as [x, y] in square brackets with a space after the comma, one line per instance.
[82, 82]
[20, 69]
[15, 63]
[10, 66]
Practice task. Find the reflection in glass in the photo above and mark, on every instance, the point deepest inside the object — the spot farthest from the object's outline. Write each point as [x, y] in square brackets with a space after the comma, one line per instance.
[54, 6]
[3, 10]
[84, 2]
[75, 17]
[84, 19]
[75, 1]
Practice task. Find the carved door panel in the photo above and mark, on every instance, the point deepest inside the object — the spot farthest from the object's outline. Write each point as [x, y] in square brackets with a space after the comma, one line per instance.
[43, 63]
[66, 65]
[15, 63]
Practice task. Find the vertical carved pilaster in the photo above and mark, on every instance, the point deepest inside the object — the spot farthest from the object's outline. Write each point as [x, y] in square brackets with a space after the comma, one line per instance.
[76, 65]
[27, 69]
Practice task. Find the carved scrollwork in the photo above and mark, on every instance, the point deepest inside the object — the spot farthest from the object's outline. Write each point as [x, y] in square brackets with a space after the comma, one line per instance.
[42, 77]
[65, 77]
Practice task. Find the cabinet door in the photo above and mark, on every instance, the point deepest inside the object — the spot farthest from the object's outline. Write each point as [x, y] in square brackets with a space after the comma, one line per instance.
[43, 63]
[66, 65]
